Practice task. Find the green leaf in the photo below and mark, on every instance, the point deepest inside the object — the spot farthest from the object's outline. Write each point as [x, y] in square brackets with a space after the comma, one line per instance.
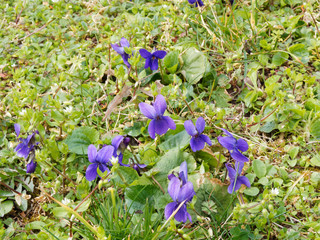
[127, 173]
[268, 127]
[279, 58]
[137, 196]
[5, 207]
[252, 191]
[84, 206]
[180, 141]
[171, 61]
[173, 159]
[315, 161]
[221, 98]
[194, 65]
[259, 168]
[299, 50]
[34, 225]
[315, 129]
[81, 138]
[263, 59]
[60, 212]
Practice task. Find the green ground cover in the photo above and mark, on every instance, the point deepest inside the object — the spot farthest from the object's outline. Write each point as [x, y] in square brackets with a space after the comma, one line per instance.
[252, 68]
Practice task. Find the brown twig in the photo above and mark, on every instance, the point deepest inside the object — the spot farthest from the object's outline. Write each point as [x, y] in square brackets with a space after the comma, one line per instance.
[253, 124]
[35, 31]
[18, 17]
[158, 184]
[7, 186]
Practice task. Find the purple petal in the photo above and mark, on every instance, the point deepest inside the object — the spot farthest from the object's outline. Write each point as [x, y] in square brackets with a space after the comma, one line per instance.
[200, 3]
[244, 180]
[125, 58]
[116, 141]
[17, 129]
[231, 172]
[152, 129]
[206, 139]
[170, 122]
[192, 1]
[236, 155]
[226, 132]
[118, 49]
[170, 176]
[124, 42]
[148, 63]
[170, 209]
[160, 126]
[174, 188]
[242, 145]
[145, 54]
[104, 154]
[227, 142]
[183, 174]
[92, 153]
[181, 215]
[186, 192]
[31, 167]
[238, 167]
[103, 168]
[147, 110]
[120, 158]
[159, 54]
[154, 64]
[160, 105]
[200, 125]
[91, 172]
[230, 188]
[22, 149]
[141, 165]
[196, 144]
[190, 128]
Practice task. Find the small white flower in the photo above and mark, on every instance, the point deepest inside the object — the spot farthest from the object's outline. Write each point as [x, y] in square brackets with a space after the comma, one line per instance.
[66, 201]
[23, 112]
[274, 191]
[68, 109]
[114, 160]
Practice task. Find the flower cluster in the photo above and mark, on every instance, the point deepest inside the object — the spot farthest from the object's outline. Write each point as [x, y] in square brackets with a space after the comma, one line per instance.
[160, 124]
[181, 191]
[197, 2]
[151, 58]
[26, 149]
[103, 159]
[235, 147]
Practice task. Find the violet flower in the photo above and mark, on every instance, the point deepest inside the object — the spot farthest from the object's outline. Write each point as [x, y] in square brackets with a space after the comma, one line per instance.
[197, 2]
[234, 145]
[31, 167]
[120, 143]
[235, 179]
[159, 124]
[99, 159]
[152, 58]
[138, 167]
[26, 149]
[198, 139]
[180, 191]
[120, 50]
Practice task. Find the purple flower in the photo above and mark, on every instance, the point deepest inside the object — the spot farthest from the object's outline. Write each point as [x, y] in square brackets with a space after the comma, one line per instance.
[235, 179]
[138, 167]
[26, 148]
[180, 190]
[198, 2]
[198, 140]
[120, 50]
[31, 167]
[99, 159]
[234, 145]
[152, 58]
[120, 143]
[159, 124]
